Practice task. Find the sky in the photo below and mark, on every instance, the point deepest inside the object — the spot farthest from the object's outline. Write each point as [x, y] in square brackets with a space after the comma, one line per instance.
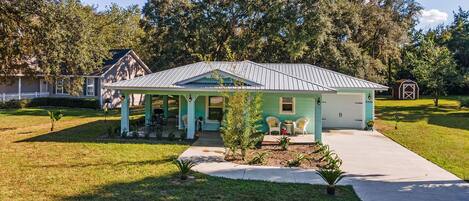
[435, 12]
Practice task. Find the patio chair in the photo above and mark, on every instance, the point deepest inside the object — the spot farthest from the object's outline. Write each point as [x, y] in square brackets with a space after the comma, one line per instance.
[273, 123]
[300, 125]
[184, 121]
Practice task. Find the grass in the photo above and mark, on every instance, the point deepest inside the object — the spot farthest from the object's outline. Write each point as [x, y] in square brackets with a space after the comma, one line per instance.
[439, 134]
[73, 164]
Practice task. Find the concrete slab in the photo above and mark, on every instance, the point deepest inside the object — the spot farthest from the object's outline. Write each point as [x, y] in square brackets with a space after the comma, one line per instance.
[380, 169]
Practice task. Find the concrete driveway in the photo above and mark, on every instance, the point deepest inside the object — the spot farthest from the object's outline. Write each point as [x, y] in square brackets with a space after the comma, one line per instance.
[380, 169]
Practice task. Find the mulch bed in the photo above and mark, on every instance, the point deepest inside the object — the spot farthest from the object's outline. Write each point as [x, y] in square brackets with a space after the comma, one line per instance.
[278, 157]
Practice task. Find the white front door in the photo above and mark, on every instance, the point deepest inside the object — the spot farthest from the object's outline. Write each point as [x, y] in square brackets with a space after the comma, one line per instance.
[343, 110]
[43, 86]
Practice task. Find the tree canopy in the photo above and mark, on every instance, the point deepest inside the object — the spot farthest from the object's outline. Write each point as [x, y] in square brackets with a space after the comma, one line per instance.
[358, 38]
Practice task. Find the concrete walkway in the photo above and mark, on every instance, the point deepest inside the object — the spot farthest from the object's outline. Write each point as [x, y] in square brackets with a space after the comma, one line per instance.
[377, 168]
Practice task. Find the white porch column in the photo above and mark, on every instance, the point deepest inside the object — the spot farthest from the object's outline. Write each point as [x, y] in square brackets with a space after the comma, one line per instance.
[191, 115]
[180, 126]
[19, 87]
[125, 115]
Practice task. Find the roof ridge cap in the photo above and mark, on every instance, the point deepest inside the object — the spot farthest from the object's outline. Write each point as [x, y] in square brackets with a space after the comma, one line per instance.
[289, 75]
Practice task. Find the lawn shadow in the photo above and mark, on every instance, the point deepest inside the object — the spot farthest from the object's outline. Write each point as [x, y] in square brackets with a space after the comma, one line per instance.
[94, 132]
[118, 164]
[447, 116]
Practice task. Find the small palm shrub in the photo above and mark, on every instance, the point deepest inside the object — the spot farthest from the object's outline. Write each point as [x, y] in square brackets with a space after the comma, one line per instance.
[184, 167]
[54, 117]
[464, 102]
[259, 158]
[331, 177]
[283, 142]
[296, 162]
[370, 124]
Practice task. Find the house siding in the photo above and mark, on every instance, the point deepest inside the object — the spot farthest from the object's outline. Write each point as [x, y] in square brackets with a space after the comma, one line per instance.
[126, 69]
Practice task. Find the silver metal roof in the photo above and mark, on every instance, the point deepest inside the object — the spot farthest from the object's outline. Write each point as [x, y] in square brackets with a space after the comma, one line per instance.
[262, 77]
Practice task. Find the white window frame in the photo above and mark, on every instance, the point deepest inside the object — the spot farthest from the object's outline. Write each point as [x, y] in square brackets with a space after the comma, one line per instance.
[90, 86]
[207, 105]
[59, 86]
[280, 108]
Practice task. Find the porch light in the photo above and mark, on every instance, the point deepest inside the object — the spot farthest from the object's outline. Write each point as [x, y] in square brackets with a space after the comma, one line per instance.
[319, 101]
[190, 98]
[369, 97]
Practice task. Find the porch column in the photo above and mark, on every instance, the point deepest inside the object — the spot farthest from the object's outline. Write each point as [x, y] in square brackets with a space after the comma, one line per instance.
[180, 113]
[19, 87]
[148, 109]
[125, 115]
[165, 106]
[318, 119]
[191, 115]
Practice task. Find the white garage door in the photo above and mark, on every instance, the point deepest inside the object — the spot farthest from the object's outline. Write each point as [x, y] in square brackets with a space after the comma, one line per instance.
[342, 110]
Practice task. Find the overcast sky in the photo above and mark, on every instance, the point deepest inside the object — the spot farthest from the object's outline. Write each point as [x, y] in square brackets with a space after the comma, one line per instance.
[435, 11]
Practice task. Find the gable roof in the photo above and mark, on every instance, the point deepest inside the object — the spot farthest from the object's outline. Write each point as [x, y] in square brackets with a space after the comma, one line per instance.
[263, 77]
[116, 57]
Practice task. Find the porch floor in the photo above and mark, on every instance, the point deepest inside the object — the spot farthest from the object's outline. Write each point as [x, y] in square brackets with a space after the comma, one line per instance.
[294, 139]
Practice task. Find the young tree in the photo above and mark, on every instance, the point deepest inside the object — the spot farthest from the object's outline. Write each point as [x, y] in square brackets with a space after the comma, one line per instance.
[54, 117]
[434, 67]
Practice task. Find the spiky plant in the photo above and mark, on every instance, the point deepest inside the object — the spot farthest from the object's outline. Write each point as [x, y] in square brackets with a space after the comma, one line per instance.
[331, 177]
[259, 158]
[184, 167]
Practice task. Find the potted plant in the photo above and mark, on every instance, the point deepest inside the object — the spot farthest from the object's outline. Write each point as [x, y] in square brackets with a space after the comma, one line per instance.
[369, 125]
[331, 177]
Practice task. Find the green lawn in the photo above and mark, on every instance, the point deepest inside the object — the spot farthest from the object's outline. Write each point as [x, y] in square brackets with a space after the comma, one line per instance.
[73, 164]
[441, 134]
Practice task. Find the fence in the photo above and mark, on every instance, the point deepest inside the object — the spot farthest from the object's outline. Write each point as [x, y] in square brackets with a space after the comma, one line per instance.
[16, 96]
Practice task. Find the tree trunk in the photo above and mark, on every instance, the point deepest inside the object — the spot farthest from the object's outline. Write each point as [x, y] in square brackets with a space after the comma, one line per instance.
[52, 125]
[435, 99]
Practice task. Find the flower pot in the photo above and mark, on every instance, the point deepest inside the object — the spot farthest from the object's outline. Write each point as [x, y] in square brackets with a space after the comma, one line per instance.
[330, 190]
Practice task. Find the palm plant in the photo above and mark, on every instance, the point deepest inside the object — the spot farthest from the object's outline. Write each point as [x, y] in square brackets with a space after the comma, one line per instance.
[259, 158]
[296, 162]
[54, 116]
[184, 167]
[331, 177]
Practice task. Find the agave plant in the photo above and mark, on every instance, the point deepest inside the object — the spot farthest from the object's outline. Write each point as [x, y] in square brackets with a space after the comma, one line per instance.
[184, 167]
[331, 177]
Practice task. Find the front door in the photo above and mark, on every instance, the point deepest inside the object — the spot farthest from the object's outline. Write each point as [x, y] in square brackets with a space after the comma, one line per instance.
[43, 86]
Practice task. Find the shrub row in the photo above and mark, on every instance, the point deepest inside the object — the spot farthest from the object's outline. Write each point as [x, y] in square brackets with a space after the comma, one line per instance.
[464, 102]
[53, 101]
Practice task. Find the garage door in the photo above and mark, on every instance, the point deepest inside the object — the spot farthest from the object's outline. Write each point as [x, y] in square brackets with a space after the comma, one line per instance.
[342, 110]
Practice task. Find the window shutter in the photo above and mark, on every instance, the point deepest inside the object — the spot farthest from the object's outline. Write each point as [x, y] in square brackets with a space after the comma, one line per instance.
[84, 87]
[96, 87]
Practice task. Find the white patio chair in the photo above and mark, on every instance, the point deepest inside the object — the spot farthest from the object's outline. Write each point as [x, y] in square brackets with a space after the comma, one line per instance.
[300, 125]
[273, 123]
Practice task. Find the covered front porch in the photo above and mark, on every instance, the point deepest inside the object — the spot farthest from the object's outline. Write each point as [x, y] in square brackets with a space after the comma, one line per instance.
[203, 112]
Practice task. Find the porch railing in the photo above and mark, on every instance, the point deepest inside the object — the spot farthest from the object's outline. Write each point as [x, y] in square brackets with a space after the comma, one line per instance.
[18, 96]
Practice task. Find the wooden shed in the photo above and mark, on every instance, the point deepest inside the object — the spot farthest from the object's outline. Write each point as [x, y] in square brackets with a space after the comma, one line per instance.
[405, 90]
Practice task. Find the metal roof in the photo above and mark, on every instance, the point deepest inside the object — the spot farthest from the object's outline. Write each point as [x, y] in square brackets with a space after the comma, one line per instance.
[262, 77]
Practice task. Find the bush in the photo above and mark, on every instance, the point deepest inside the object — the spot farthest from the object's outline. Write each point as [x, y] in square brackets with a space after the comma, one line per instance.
[184, 167]
[464, 102]
[14, 104]
[259, 158]
[65, 102]
[283, 142]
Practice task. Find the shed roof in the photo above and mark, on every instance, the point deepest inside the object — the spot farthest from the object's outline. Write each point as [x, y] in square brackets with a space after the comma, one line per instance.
[261, 76]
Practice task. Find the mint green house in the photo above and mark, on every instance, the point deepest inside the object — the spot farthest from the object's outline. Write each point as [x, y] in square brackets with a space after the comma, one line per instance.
[325, 98]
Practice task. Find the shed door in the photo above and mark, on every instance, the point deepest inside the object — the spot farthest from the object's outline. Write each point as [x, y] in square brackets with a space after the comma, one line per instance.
[342, 111]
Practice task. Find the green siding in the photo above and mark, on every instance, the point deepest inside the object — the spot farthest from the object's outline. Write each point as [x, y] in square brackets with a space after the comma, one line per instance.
[304, 107]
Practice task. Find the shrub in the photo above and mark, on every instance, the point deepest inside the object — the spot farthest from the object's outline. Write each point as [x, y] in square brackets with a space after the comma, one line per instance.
[283, 142]
[464, 102]
[14, 104]
[259, 158]
[65, 102]
[184, 167]
[370, 124]
[331, 177]
[296, 162]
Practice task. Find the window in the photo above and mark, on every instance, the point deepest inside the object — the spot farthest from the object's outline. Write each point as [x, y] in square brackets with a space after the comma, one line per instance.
[215, 108]
[90, 86]
[287, 105]
[59, 87]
